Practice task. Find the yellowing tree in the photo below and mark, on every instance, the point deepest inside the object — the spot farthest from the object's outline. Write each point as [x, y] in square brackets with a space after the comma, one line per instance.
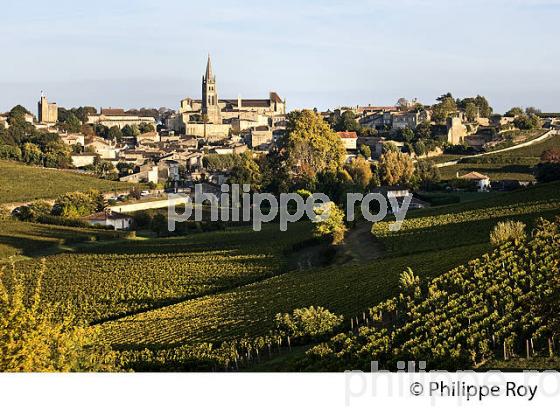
[37, 337]
[333, 225]
[360, 172]
[396, 168]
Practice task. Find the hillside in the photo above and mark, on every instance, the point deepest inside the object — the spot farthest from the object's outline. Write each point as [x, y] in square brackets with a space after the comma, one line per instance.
[21, 183]
[433, 242]
[515, 164]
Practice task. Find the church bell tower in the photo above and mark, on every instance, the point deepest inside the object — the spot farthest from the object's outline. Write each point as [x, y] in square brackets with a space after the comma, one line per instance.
[210, 106]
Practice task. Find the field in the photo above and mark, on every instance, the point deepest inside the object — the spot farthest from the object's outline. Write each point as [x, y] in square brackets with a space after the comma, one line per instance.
[21, 183]
[120, 278]
[209, 287]
[31, 239]
[459, 233]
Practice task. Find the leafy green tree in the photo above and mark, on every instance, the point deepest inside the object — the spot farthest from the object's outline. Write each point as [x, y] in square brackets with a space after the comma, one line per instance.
[10, 152]
[514, 112]
[115, 134]
[423, 131]
[365, 151]
[444, 108]
[72, 124]
[145, 127]
[246, 171]
[484, 108]
[420, 148]
[471, 111]
[347, 122]
[427, 173]
[159, 224]
[405, 135]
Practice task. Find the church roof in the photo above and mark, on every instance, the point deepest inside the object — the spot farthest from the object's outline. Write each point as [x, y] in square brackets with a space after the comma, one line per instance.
[209, 73]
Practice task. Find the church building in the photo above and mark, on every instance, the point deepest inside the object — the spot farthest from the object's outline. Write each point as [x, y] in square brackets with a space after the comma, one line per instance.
[214, 118]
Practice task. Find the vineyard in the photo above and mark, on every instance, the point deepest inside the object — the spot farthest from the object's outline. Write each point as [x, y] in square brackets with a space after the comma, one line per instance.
[347, 290]
[502, 304]
[22, 183]
[31, 239]
[121, 278]
[469, 223]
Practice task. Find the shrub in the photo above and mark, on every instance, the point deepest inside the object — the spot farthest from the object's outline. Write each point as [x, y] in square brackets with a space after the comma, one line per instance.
[308, 322]
[507, 231]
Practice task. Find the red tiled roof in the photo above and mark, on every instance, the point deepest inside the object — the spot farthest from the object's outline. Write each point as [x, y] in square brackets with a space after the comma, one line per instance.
[112, 111]
[347, 134]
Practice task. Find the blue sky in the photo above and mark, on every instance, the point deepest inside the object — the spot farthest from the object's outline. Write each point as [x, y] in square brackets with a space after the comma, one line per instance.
[314, 53]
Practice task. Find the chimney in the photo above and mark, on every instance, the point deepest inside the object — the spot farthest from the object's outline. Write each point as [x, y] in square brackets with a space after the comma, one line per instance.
[239, 102]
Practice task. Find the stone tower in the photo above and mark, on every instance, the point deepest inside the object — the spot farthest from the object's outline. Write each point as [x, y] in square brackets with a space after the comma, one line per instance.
[210, 106]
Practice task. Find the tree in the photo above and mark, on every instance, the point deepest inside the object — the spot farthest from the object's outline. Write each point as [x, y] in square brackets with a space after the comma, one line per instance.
[145, 127]
[159, 224]
[10, 152]
[332, 226]
[471, 111]
[484, 109]
[423, 131]
[309, 146]
[32, 154]
[360, 172]
[396, 168]
[347, 122]
[246, 171]
[420, 148]
[405, 135]
[72, 123]
[115, 134]
[514, 112]
[365, 151]
[527, 122]
[427, 173]
[38, 337]
[532, 110]
[444, 108]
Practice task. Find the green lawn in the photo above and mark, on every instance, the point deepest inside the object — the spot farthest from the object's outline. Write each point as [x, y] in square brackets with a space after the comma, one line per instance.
[21, 183]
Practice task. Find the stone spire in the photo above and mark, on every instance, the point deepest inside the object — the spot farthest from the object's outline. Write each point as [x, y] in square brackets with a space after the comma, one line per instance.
[209, 73]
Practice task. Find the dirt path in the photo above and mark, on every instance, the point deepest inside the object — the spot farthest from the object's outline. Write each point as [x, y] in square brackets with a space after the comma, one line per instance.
[361, 244]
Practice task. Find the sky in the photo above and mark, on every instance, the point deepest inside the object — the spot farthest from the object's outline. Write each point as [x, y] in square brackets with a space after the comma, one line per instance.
[322, 54]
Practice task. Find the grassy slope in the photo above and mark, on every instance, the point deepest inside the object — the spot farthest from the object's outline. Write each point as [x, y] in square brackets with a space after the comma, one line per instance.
[20, 182]
[506, 170]
[429, 250]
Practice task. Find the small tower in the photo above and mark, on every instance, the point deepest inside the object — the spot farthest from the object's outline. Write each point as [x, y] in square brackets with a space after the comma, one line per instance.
[210, 106]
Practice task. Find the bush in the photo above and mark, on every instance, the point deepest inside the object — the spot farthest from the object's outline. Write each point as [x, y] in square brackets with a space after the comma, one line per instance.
[61, 221]
[308, 322]
[507, 231]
